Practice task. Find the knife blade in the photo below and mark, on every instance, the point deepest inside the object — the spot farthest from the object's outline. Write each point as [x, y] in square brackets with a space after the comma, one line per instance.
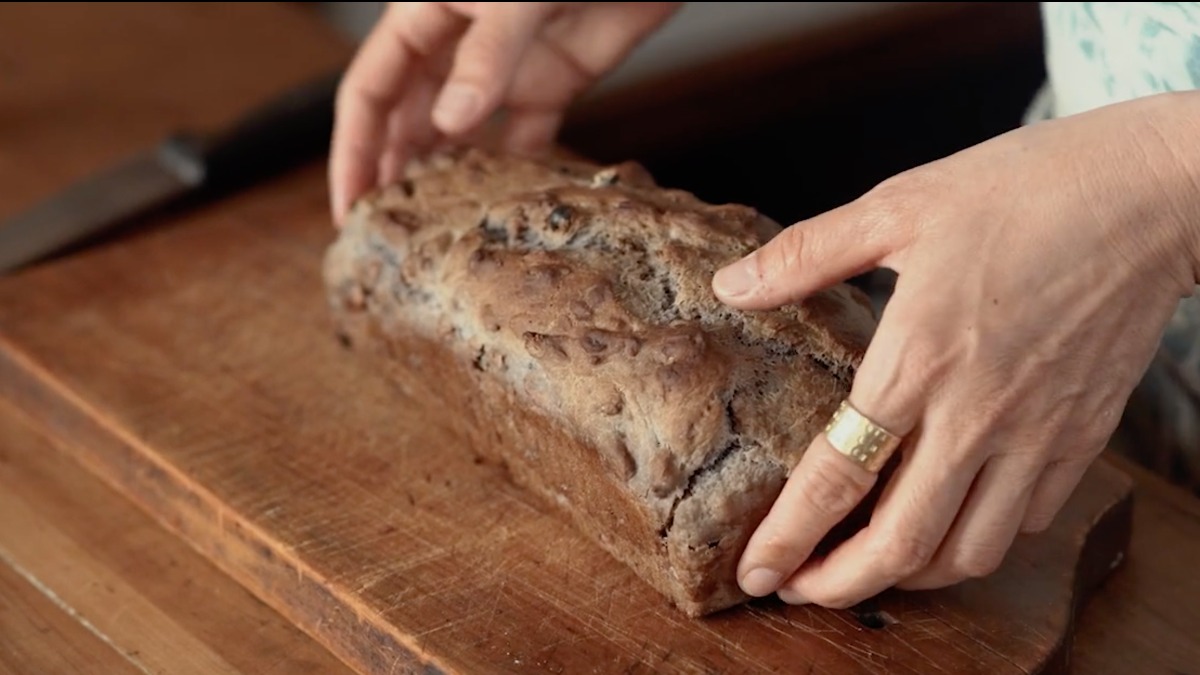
[278, 135]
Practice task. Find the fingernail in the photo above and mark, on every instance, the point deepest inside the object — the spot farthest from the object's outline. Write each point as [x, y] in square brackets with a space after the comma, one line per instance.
[737, 279]
[456, 108]
[791, 597]
[761, 581]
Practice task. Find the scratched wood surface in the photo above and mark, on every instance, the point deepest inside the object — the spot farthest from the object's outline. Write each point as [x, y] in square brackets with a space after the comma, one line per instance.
[209, 388]
[1146, 617]
[89, 584]
[190, 366]
[27, 617]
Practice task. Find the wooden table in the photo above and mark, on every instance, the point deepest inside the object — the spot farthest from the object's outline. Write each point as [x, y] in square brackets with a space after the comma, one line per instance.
[87, 582]
[85, 579]
[90, 584]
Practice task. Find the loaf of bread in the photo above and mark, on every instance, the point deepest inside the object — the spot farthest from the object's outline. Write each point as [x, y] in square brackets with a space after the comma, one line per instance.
[563, 311]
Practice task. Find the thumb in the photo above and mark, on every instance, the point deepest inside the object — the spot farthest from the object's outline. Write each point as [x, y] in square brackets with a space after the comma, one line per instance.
[805, 258]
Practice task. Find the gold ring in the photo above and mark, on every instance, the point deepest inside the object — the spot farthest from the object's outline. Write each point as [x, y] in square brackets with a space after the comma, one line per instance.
[854, 435]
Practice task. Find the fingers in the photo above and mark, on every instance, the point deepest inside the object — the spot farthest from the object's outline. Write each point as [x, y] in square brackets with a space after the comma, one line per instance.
[821, 491]
[568, 56]
[601, 34]
[906, 529]
[825, 486]
[395, 153]
[986, 526]
[365, 99]
[531, 130]
[486, 62]
[1051, 492]
[380, 122]
[410, 132]
[373, 86]
[807, 257]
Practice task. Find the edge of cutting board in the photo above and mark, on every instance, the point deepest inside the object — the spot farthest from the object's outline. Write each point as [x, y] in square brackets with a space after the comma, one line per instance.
[336, 619]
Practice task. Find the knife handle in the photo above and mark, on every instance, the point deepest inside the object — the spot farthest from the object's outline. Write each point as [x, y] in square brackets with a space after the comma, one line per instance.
[277, 136]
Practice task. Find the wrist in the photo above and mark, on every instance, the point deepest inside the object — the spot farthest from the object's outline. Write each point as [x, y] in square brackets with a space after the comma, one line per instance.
[1173, 157]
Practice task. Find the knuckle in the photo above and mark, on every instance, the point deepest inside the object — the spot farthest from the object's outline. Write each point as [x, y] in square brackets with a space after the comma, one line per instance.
[926, 360]
[901, 555]
[902, 199]
[460, 7]
[973, 562]
[778, 258]
[356, 98]
[787, 251]
[1035, 523]
[905, 188]
[423, 27]
[1076, 460]
[904, 371]
[776, 550]
[832, 493]
[828, 498]
[887, 204]
[481, 50]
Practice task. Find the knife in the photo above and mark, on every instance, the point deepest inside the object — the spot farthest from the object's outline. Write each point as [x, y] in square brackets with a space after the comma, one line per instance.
[274, 137]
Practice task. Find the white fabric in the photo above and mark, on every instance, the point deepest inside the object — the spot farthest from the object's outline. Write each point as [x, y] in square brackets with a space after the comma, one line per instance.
[1098, 53]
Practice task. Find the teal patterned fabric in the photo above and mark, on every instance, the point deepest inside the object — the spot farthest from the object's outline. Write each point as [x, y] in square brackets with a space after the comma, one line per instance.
[1099, 53]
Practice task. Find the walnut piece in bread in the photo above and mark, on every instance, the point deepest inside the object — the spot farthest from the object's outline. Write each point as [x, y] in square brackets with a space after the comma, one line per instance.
[566, 310]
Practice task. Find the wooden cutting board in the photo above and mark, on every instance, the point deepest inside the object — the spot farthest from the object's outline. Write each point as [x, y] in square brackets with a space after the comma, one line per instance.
[89, 584]
[190, 365]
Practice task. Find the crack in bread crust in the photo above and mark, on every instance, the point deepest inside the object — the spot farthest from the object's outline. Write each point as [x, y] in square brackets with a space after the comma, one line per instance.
[584, 292]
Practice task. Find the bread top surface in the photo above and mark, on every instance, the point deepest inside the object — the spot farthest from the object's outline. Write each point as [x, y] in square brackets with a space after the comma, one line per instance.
[588, 289]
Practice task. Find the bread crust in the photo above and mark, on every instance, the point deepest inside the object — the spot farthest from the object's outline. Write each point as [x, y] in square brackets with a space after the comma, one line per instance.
[565, 309]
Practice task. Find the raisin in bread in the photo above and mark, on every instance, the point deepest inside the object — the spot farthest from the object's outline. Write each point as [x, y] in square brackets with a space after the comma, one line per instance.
[565, 311]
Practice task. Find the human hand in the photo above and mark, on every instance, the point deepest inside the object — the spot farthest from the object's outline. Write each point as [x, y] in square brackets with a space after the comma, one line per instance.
[435, 70]
[1037, 272]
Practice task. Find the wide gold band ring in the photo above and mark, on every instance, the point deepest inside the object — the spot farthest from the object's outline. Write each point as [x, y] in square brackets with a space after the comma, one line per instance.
[854, 435]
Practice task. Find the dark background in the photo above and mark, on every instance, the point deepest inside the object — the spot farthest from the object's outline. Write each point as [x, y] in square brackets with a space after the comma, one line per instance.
[796, 129]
